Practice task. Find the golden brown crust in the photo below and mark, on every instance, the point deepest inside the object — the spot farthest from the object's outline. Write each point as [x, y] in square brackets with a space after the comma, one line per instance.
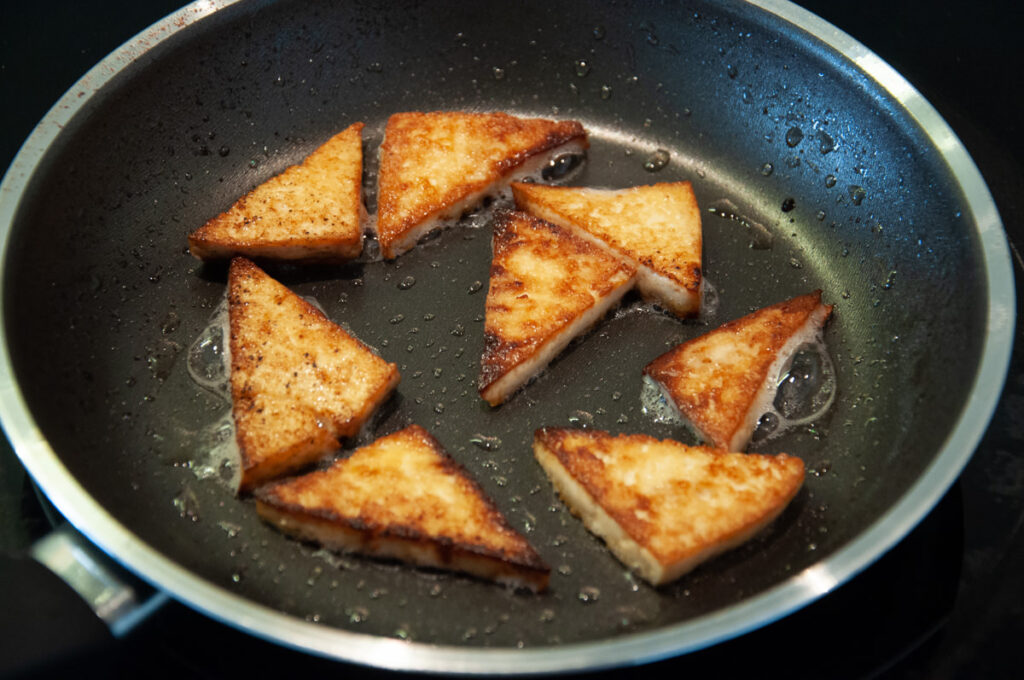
[298, 381]
[310, 212]
[657, 226]
[404, 496]
[714, 379]
[676, 504]
[430, 162]
[546, 285]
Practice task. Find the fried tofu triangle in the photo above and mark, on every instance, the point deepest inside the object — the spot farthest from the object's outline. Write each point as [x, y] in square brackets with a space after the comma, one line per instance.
[657, 227]
[663, 507]
[435, 166]
[299, 383]
[311, 212]
[403, 497]
[723, 381]
[547, 286]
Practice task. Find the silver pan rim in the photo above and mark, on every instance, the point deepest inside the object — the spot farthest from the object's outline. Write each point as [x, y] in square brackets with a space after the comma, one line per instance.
[800, 590]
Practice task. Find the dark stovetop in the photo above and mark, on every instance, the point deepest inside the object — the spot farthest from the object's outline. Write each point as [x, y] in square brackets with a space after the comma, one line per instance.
[946, 602]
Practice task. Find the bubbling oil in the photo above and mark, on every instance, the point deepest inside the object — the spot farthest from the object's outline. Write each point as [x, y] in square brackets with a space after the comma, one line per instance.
[802, 393]
[209, 366]
[209, 355]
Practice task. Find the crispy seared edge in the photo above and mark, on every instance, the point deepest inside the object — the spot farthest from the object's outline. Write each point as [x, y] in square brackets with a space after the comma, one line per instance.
[398, 234]
[252, 472]
[506, 365]
[660, 372]
[681, 293]
[524, 569]
[207, 243]
[581, 497]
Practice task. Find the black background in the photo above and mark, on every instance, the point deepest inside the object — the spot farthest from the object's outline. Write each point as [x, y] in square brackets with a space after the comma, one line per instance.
[948, 602]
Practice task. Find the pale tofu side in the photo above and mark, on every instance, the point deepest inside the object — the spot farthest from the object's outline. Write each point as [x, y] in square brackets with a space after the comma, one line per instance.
[723, 381]
[403, 497]
[547, 286]
[663, 507]
[657, 226]
[299, 382]
[435, 166]
[310, 212]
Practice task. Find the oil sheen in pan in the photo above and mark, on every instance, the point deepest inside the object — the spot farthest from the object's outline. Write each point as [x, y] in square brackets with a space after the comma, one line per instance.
[429, 323]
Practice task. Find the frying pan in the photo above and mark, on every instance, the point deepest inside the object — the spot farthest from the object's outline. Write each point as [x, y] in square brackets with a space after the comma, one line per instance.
[910, 249]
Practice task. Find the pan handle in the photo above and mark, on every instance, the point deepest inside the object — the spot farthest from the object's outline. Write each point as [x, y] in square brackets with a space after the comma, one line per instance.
[69, 600]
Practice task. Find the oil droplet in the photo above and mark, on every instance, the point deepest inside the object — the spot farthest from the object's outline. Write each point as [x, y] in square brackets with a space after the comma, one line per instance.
[794, 136]
[223, 151]
[564, 570]
[856, 193]
[498, 73]
[606, 92]
[161, 358]
[485, 442]
[820, 215]
[657, 160]
[788, 204]
[407, 283]
[475, 287]
[825, 142]
[821, 469]
[588, 594]
[375, 67]
[546, 615]
[582, 67]
[581, 419]
[890, 280]
[396, 319]
[231, 529]
[598, 32]
[830, 181]
[439, 408]
[357, 614]
[795, 263]
[767, 169]
[732, 71]
[187, 504]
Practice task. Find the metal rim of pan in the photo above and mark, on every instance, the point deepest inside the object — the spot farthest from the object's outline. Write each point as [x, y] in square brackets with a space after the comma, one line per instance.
[107, 533]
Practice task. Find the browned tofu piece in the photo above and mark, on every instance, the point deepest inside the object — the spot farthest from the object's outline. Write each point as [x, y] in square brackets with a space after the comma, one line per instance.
[403, 497]
[435, 166]
[299, 383]
[663, 507]
[547, 286]
[657, 227]
[311, 212]
[723, 381]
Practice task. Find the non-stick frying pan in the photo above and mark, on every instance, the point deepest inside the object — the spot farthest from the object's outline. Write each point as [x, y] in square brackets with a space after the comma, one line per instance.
[865, 191]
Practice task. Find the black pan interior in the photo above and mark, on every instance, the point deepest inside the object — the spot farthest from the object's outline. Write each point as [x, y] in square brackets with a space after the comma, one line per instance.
[102, 299]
